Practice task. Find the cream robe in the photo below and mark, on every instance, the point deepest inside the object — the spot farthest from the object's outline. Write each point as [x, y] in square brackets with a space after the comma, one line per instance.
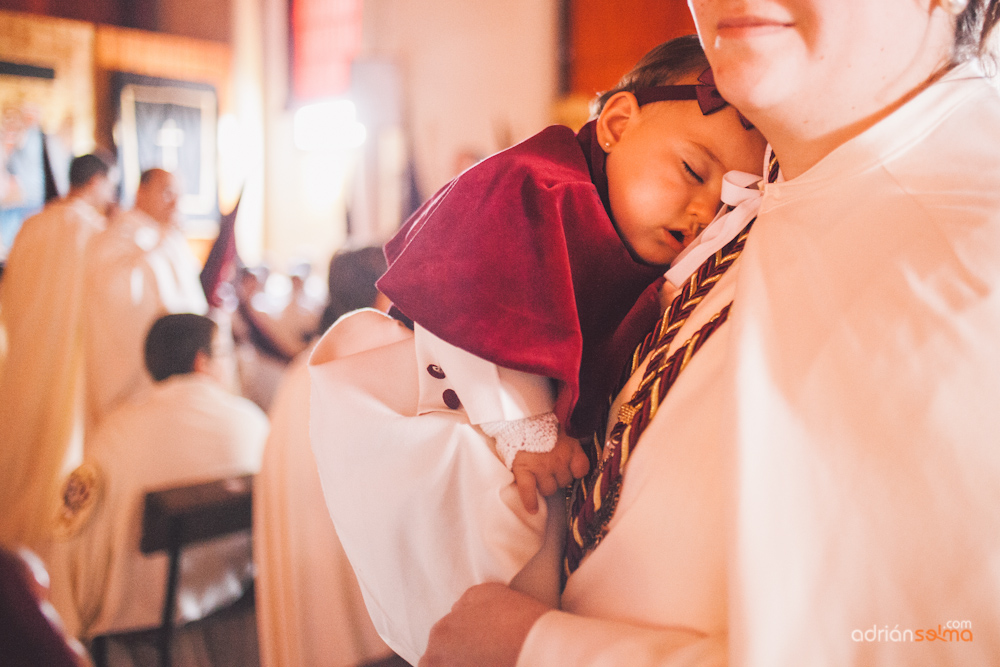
[828, 464]
[40, 379]
[309, 607]
[188, 429]
[136, 272]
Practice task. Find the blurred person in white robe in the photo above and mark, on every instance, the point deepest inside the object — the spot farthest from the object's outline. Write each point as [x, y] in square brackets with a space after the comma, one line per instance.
[187, 429]
[137, 270]
[41, 378]
[820, 485]
[310, 612]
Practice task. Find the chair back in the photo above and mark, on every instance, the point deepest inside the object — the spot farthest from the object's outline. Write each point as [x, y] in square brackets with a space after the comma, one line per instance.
[175, 517]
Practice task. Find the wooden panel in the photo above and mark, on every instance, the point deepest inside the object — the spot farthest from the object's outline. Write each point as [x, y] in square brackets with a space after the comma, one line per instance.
[158, 55]
[128, 13]
[168, 56]
[196, 18]
[94, 11]
[607, 39]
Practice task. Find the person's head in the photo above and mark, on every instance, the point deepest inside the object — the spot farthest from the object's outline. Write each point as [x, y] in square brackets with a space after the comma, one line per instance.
[179, 344]
[298, 273]
[352, 282]
[89, 179]
[813, 73]
[158, 196]
[666, 159]
[249, 281]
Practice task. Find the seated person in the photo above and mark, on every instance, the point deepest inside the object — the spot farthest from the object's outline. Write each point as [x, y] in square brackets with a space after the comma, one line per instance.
[187, 429]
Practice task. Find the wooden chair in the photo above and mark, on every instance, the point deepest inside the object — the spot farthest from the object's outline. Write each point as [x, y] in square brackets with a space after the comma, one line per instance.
[176, 517]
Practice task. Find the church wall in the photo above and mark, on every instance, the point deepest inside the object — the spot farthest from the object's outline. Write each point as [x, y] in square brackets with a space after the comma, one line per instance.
[304, 213]
[473, 78]
[476, 76]
[609, 38]
[77, 109]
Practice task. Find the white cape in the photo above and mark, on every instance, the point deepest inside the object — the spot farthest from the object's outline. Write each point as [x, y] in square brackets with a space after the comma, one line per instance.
[423, 506]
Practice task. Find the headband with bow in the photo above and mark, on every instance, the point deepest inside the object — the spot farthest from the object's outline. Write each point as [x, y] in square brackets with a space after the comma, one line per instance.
[708, 96]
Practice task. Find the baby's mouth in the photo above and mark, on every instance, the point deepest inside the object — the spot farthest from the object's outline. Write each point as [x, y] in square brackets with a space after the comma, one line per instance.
[677, 235]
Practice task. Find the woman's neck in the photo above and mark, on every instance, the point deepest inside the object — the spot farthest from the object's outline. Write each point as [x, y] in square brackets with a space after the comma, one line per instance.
[801, 137]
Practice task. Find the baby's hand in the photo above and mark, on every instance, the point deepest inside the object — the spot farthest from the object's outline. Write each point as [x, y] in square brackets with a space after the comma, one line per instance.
[548, 471]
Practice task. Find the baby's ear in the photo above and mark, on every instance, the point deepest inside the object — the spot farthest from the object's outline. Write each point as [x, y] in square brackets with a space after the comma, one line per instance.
[618, 111]
[202, 362]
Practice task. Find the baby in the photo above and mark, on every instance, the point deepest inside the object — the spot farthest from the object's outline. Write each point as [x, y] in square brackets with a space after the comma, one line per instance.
[532, 259]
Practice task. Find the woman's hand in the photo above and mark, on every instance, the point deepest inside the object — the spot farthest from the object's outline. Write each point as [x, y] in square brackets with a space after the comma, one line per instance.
[486, 628]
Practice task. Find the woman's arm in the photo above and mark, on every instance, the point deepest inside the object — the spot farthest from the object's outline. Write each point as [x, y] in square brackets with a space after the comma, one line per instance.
[494, 626]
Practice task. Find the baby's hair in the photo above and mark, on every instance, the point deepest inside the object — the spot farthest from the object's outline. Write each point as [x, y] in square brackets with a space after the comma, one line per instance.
[664, 65]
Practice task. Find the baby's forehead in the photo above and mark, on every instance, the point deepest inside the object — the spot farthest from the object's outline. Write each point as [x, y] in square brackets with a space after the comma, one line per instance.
[681, 121]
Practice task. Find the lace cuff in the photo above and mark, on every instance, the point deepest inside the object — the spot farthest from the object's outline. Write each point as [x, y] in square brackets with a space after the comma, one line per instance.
[532, 434]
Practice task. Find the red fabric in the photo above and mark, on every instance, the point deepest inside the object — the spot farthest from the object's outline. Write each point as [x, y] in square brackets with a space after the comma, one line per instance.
[518, 262]
[27, 637]
[221, 258]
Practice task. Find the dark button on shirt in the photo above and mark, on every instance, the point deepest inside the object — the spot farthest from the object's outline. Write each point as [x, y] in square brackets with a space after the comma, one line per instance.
[451, 399]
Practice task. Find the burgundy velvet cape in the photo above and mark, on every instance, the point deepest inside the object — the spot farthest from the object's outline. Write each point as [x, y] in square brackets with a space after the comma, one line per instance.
[518, 262]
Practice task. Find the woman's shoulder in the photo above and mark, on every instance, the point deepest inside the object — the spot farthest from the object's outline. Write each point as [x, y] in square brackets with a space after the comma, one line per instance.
[954, 166]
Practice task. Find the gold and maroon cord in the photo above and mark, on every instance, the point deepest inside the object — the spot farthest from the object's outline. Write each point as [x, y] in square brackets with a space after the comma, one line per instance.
[593, 499]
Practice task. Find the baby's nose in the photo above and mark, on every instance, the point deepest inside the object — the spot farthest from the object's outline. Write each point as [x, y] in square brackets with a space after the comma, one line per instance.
[702, 210]
[697, 221]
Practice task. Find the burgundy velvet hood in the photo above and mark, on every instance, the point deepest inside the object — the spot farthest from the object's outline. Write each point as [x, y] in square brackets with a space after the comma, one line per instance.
[518, 262]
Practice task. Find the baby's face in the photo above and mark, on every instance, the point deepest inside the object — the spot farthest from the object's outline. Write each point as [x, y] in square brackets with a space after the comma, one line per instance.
[665, 173]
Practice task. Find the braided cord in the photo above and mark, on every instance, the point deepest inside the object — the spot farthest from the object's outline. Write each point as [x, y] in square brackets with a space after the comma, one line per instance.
[595, 497]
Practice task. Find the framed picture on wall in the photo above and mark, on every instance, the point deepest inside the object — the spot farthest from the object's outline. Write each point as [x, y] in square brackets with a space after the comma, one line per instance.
[172, 125]
[35, 144]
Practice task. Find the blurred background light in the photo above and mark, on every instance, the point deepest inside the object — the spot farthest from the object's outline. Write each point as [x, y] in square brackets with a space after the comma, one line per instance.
[327, 126]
